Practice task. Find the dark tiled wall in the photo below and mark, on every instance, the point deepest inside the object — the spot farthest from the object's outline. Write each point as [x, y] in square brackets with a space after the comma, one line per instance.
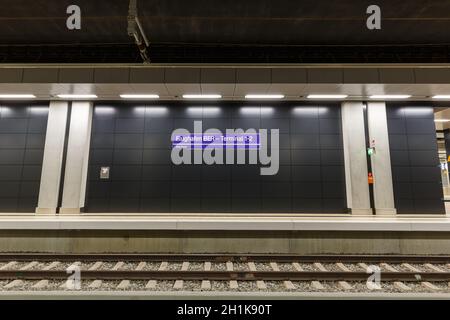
[134, 140]
[414, 158]
[22, 139]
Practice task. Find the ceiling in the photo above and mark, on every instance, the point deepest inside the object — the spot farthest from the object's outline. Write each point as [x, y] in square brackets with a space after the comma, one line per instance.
[233, 82]
[262, 22]
[217, 25]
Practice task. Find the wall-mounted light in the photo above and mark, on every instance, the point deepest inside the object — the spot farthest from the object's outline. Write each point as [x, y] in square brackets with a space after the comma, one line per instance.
[104, 110]
[267, 111]
[327, 96]
[202, 96]
[38, 110]
[256, 111]
[441, 120]
[157, 111]
[389, 96]
[17, 96]
[441, 96]
[264, 96]
[204, 110]
[139, 96]
[77, 96]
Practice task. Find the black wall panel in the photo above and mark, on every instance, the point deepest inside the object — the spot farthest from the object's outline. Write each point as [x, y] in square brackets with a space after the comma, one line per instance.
[414, 158]
[135, 142]
[22, 139]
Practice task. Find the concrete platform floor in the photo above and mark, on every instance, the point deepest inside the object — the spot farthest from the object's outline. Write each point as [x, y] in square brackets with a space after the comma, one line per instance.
[257, 222]
[237, 233]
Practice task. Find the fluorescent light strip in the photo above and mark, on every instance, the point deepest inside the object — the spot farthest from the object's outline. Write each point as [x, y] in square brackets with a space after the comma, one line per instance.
[441, 96]
[441, 120]
[390, 96]
[264, 96]
[139, 96]
[202, 96]
[17, 96]
[77, 96]
[327, 96]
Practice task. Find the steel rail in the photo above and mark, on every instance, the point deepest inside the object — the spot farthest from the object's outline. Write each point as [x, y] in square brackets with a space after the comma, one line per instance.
[223, 275]
[287, 258]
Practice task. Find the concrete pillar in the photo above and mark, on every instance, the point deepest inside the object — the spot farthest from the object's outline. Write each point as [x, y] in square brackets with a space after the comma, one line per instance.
[358, 198]
[75, 175]
[381, 160]
[53, 157]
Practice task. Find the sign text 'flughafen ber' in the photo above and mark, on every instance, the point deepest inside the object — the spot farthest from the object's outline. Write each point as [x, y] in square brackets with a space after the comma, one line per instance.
[215, 147]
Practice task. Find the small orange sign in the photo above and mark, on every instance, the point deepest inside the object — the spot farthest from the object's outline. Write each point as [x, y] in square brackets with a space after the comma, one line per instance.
[448, 159]
[370, 178]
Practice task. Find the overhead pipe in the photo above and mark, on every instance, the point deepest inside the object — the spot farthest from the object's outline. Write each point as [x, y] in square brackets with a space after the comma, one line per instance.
[136, 31]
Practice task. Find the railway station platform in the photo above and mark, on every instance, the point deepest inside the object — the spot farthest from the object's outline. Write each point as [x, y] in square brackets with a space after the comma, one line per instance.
[224, 222]
[237, 233]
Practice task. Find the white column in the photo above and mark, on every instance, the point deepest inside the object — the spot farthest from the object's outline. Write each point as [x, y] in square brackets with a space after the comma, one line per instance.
[358, 198]
[75, 175]
[381, 160]
[53, 157]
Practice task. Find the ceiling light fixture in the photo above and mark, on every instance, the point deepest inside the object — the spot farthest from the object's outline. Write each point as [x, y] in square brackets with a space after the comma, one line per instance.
[77, 96]
[441, 120]
[389, 96]
[139, 96]
[202, 96]
[327, 96]
[264, 96]
[441, 96]
[17, 96]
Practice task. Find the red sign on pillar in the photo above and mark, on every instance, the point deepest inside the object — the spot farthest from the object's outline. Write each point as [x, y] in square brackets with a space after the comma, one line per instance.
[370, 178]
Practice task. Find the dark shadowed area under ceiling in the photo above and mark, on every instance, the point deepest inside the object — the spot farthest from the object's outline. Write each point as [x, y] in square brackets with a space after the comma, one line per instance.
[305, 31]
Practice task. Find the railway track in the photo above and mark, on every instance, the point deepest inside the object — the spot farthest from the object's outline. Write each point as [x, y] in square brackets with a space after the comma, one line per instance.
[225, 275]
[203, 272]
[226, 257]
